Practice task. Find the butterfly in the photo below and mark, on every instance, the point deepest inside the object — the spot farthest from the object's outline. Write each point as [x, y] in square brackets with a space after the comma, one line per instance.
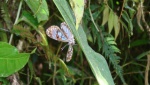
[62, 34]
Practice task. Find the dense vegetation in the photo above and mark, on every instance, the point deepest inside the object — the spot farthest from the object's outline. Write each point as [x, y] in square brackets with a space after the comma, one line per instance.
[112, 42]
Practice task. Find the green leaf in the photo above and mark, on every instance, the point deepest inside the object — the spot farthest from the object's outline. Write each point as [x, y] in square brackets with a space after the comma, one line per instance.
[110, 21]
[78, 9]
[96, 61]
[11, 60]
[39, 8]
[139, 42]
[110, 51]
[28, 18]
[144, 54]
[131, 11]
[116, 26]
[129, 21]
[105, 15]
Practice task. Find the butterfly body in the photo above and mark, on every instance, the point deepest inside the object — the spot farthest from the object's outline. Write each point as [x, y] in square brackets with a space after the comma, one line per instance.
[62, 34]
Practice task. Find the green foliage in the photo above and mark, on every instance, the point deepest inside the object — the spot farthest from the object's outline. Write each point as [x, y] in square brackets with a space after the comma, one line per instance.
[11, 61]
[39, 8]
[110, 51]
[94, 59]
[28, 18]
[78, 9]
[5, 15]
[112, 42]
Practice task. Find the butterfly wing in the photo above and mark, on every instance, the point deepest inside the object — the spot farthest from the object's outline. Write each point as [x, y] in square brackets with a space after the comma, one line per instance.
[66, 30]
[69, 53]
[55, 33]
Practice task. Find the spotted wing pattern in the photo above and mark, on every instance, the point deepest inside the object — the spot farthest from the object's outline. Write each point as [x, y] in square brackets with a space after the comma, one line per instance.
[66, 30]
[55, 33]
[69, 53]
[64, 34]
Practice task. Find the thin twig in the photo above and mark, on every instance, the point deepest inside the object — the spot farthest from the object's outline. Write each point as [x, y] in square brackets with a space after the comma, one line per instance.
[121, 9]
[55, 67]
[15, 79]
[147, 69]
[18, 14]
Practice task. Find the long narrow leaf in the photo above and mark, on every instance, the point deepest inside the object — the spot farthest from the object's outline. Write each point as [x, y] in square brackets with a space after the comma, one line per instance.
[97, 62]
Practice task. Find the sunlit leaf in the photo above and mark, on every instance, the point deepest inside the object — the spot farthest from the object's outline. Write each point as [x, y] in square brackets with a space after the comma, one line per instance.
[39, 8]
[116, 26]
[78, 9]
[110, 21]
[105, 15]
[11, 60]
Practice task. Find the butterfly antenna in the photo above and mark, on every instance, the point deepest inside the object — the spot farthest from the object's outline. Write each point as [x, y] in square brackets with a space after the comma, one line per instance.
[64, 47]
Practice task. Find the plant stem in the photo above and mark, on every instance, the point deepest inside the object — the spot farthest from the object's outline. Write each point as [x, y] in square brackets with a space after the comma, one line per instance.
[18, 13]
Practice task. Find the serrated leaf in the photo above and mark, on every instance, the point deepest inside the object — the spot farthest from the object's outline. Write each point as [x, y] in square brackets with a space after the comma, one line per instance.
[97, 62]
[11, 60]
[105, 15]
[116, 26]
[114, 48]
[110, 21]
[78, 9]
[112, 43]
[109, 38]
[39, 8]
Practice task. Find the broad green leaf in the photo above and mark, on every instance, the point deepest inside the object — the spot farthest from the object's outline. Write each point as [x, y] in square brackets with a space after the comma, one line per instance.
[110, 21]
[78, 9]
[11, 60]
[116, 26]
[96, 61]
[39, 8]
[105, 15]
